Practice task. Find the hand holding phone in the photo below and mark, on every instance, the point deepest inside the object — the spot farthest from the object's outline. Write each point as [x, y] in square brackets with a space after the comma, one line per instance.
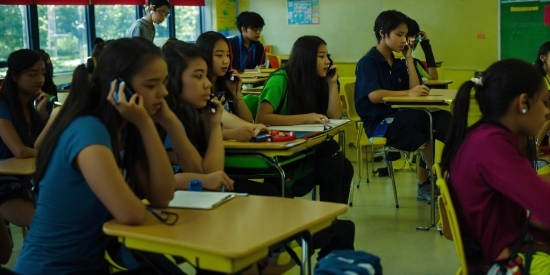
[330, 72]
[128, 92]
[211, 105]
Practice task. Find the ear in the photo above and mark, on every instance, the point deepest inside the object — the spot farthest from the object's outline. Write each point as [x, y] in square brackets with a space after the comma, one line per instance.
[243, 29]
[382, 34]
[523, 103]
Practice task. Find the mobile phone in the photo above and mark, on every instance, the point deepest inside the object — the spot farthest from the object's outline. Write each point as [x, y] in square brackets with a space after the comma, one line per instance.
[419, 37]
[229, 75]
[128, 92]
[211, 105]
[330, 72]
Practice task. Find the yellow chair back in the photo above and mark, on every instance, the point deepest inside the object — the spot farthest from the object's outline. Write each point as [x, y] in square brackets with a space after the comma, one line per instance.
[450, 223]
[349, 90]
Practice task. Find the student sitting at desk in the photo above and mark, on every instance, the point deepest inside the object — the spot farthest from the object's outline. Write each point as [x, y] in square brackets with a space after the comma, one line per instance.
[491, 180]
[237, 119]
[301, 92]
[202, 148]
[103, 134]
[20, 125]
[416, 36]
[378, 75]
[246, 49]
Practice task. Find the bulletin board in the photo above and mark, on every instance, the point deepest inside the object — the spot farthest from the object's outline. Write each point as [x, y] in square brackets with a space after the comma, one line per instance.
[226, 12]
[524, 26]
[303, 12]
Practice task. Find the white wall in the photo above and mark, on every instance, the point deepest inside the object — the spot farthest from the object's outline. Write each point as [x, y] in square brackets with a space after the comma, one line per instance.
[346, 26]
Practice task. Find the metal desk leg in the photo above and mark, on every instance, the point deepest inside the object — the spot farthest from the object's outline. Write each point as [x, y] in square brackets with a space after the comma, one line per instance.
[306, 263]
[432, 201]
[274, 162]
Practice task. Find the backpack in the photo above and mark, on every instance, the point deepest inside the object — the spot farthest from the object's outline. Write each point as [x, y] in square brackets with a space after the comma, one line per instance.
[349, 262]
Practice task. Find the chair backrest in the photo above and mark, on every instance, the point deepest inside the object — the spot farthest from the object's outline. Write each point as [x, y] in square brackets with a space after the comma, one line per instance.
[345, 80]
[274, 60]
[450, 222]
[349, 90]
[252, 102]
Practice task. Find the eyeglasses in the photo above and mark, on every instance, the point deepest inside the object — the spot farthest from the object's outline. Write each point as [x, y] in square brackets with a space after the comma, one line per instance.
[256, 29]
[168, 218]
[164, 14]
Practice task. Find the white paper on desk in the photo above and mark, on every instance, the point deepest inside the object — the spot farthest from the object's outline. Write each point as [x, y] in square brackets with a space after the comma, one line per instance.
[310, 127]
[199, 200]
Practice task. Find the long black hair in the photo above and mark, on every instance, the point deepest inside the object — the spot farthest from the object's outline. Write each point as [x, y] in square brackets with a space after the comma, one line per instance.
[306, 91]
[122, 58]
[19, 62]
[178, 54]
[543, 50]
[501, 84]
[206, 41]
[49, 86]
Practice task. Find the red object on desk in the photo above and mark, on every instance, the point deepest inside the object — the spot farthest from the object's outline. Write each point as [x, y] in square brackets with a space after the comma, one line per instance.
[282, 136]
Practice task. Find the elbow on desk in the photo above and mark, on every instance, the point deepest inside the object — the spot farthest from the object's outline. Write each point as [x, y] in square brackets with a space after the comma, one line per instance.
[136, 218]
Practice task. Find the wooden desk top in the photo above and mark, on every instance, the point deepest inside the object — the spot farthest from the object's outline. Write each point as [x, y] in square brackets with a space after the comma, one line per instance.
[436, 97]
[268, 70]
[18, 167]
[237, 228]
[248, 80]
[284, 57]
[432, 82]
[254, 75]
[282, 145]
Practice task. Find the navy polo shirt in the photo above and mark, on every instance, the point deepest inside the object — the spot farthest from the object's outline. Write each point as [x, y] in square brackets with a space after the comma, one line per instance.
[374, 73]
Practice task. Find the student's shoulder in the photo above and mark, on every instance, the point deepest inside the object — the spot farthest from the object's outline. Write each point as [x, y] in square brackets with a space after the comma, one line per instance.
[372, 56]
[87, 124]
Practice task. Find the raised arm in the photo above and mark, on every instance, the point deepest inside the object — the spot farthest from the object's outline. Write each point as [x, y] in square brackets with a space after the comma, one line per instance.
[46, 129]
[428, 53]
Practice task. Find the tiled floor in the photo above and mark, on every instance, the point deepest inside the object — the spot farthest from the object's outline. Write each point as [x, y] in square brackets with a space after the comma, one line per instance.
[383, 230]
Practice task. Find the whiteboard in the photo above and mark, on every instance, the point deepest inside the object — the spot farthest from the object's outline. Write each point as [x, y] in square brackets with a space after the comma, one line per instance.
[346, 26]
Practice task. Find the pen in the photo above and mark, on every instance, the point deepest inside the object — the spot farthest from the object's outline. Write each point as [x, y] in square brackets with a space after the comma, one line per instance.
[223, 188]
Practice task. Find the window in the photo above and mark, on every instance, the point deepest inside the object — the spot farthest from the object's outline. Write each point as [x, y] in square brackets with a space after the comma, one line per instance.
[161, 33]
[112, 21]
[188, 19]
[63, 35]
[14, 31]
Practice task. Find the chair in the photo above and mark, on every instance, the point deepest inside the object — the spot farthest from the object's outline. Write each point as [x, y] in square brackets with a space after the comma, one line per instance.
[274, 60]
[349, 90]
[451, 230]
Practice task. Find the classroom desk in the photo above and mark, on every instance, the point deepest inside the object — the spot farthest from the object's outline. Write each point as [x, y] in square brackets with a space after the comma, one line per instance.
[266, 156]
[254, 75]
[18, 167]
[253, 80]
[438, 98]
[252, 91]
[268, 70]
[232, 236]
[438, 83]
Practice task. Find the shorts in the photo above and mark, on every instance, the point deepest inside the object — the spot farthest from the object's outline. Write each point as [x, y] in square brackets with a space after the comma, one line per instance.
[13, 188]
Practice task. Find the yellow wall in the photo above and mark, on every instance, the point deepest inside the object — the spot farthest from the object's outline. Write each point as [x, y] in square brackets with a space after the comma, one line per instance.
[452, 25]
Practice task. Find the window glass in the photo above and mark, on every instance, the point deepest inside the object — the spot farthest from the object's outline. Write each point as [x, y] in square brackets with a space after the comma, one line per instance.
[188, 26]
[63, 35]
[14, 31]
[112, 21]
[161, 33]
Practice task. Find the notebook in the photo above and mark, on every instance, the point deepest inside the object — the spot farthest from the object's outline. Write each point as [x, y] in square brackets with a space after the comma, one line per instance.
[199, 200]
[310, 127]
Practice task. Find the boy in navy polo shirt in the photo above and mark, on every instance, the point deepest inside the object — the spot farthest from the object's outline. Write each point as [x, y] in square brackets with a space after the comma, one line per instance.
[246, 49]
[379, 74]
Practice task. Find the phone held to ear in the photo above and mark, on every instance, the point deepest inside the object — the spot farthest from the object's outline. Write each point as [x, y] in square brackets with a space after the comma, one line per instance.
[229, 75]
[330, 72]
[128, 92]
[211, 106]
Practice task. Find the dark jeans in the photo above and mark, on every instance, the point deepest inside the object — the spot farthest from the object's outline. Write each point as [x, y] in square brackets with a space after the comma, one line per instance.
[333, 175]
[339, 236]
[411, 128]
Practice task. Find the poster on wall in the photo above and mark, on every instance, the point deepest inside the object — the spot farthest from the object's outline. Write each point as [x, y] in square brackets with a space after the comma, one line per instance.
[519, 1]
[303, 12]
[226, 12]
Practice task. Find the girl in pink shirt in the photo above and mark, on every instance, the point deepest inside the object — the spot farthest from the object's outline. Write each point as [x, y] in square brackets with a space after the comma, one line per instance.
[491, 179]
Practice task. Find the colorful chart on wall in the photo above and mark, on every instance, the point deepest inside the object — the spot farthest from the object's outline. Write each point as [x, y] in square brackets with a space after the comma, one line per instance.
[226, 12]
[303, 12]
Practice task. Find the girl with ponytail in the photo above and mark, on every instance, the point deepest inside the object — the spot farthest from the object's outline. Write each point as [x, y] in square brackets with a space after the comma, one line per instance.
[489, 173]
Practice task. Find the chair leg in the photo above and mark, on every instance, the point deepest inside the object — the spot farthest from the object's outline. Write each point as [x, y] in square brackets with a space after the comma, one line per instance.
[392, 177]
[367, 164]
[359, 164]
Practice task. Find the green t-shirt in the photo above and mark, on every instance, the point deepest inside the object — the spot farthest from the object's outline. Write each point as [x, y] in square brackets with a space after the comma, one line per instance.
[274, 91]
